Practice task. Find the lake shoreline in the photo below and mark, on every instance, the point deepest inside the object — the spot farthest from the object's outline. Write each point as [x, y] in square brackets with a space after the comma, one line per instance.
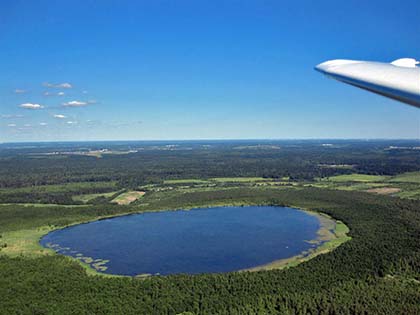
[331, 234]
[329, 238]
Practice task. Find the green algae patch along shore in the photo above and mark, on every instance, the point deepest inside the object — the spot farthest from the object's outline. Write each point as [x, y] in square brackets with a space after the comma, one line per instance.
[331, 234]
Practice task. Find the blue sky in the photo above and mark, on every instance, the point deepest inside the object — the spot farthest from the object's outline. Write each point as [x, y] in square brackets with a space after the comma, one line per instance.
[138, 70]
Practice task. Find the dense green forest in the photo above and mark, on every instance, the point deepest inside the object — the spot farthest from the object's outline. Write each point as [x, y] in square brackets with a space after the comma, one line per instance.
[376, 272]
[25, 165]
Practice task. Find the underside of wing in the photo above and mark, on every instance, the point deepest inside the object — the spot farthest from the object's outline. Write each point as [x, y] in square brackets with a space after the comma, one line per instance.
[399, 80]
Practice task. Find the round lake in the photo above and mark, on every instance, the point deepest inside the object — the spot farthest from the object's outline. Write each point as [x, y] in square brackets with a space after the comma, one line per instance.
[205, 240]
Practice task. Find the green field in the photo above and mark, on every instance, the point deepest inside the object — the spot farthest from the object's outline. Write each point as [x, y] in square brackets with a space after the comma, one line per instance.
[240, 179]
[128, 197]
[218, 180]
[88, 197]
[25, 242]
[185, 181]
[404, 185]
[411, 177]
[356, 178]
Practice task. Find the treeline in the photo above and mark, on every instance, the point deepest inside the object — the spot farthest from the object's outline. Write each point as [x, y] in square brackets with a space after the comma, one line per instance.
[299, 161]
[63, 196]
[377, 272]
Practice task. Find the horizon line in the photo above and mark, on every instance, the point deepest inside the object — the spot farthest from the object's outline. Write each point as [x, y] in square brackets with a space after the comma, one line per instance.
[214, 139]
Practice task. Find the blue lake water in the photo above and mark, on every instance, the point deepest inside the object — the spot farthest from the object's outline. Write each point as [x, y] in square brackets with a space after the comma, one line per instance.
[206, 240]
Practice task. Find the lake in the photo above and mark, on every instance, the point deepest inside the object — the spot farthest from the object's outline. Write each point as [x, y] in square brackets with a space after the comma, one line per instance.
[205, 240]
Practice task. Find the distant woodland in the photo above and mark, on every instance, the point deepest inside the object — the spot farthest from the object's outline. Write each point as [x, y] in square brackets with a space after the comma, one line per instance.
[22, 166]
[376, 272]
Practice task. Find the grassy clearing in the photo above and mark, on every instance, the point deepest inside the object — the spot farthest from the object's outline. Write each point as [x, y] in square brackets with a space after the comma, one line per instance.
[350, 186]
[359, 187]
[384, 190]
[128, 197]
[88, 197]
[240, 179]
[356, 178]
[25, 242]
[411, 177]
[277, 183]
[218, 180]
[404, 185]
[185, 181]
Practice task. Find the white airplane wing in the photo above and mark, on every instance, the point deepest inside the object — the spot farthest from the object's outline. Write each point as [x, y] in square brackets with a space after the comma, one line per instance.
[399, 80]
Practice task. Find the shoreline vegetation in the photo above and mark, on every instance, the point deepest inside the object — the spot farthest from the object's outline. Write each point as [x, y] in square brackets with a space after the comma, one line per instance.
[331, 234]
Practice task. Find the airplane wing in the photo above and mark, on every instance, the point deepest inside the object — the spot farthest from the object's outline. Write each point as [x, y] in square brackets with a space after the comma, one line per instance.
[399, 80]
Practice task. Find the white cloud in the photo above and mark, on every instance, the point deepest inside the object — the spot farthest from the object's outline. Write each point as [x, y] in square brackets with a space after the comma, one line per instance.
[11, 116]
[59, 116]
[75, 104]
[20, 91]
[31, 106]
[65, 86]
[72, 122]
[54, 94]
[58, 85]
[43, 124]
[11, 125]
